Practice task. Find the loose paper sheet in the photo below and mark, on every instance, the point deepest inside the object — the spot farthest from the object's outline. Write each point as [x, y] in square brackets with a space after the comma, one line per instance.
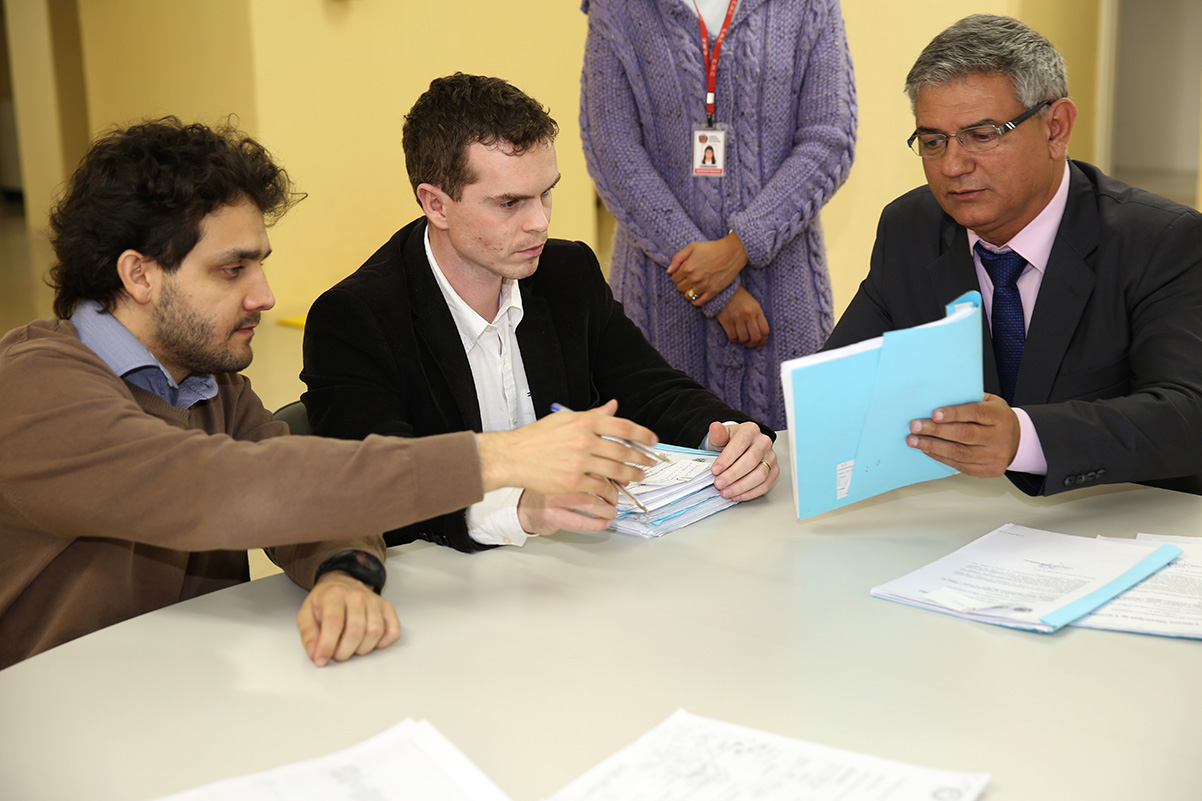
[412, 760]
[1167, 603]
[691, 758]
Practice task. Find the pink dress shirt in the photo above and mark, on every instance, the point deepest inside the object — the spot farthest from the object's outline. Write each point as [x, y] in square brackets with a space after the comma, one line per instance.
[1033, 243]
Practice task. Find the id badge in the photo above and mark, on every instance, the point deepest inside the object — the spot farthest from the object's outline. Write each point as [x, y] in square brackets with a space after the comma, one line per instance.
[709, 151]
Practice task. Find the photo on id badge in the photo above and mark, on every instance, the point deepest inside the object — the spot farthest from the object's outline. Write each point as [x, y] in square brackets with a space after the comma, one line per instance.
[709, 152]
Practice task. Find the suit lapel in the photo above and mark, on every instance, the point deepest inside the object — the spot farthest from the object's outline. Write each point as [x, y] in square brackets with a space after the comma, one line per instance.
[954, 269]
[541, 353]
[435, 327]
[1068, 282]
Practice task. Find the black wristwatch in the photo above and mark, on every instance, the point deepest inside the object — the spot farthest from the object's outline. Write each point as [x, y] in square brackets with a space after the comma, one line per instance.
[361, 565]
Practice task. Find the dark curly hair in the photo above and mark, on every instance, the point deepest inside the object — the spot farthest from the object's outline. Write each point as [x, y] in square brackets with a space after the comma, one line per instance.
[147, 188]
[459, 110]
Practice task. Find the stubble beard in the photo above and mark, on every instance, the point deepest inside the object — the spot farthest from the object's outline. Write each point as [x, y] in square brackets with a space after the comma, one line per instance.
[188, 338]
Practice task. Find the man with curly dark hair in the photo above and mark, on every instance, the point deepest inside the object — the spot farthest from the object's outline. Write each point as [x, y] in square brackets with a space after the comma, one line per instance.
[138, 464]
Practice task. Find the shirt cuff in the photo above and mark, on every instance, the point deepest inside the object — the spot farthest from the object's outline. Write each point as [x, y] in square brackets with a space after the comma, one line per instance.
[1029, 458]
[494, 520]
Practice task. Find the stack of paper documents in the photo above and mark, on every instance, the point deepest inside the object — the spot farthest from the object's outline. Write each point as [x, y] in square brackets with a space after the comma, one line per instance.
[675, 493]
[1168, 603]
[690, 758]
[1029, 579]
[849, 410]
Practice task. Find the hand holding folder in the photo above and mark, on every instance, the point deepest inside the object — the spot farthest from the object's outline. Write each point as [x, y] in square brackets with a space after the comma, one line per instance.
[977, 439]
[849, 410]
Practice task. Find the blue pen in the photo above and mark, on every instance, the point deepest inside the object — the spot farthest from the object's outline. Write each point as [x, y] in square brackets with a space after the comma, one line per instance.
[638, 446]
[559, 407]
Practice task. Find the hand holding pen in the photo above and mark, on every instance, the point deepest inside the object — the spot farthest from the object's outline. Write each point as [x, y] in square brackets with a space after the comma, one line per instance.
[566, 453]
[637, 446]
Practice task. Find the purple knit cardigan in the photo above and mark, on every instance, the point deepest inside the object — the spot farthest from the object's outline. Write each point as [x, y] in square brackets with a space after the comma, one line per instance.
[786, 89]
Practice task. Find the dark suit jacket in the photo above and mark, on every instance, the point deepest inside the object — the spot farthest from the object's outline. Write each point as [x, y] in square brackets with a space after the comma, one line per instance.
[383, 356]
[1112, 370]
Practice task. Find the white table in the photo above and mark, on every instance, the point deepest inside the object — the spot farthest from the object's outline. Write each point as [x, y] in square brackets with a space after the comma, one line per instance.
[539, 662]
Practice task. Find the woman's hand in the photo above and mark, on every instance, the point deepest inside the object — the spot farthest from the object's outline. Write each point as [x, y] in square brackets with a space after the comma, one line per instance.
[743, 320]
[703, 269]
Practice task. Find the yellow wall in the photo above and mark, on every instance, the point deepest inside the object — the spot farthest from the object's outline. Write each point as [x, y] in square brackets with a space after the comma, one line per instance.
[147, 58]
[334, 116]
[5, 76]
[1073, 26]
[1198, 196]
[47, 85]
[80, 66]
[885, 38]
[335, 79]
[325, 85]
[69, 80]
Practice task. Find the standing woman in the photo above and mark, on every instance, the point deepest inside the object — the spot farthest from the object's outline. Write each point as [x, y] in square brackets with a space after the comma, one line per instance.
[718, 255]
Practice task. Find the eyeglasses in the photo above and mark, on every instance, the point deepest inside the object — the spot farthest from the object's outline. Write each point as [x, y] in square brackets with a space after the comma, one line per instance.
[974, 139]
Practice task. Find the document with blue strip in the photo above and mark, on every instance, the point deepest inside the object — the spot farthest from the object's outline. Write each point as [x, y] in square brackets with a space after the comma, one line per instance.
[1025, 578]
[849, 410]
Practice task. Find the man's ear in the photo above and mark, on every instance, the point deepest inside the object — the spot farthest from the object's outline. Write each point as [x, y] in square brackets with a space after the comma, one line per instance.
[434, 204]
[1060, 120]
[139, 275]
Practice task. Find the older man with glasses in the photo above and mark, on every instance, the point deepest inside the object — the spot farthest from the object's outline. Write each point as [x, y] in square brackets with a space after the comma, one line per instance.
[1092, 288]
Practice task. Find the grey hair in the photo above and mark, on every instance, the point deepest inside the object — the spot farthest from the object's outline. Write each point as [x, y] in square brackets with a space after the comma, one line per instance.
[984, 44]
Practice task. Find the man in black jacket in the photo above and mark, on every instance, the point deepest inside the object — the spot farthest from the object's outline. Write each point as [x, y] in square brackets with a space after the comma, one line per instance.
[1091, 360]
[471, 318]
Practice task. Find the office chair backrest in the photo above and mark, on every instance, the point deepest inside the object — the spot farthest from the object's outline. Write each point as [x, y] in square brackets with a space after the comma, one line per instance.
[295, 416]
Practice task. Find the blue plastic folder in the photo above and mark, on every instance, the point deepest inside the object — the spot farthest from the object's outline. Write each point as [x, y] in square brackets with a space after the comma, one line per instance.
[849, 410]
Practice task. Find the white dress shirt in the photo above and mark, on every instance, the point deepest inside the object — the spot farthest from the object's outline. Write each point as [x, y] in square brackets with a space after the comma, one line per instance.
[501, 390]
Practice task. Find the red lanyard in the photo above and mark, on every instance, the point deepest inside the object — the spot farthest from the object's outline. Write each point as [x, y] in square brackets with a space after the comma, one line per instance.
[711, 78]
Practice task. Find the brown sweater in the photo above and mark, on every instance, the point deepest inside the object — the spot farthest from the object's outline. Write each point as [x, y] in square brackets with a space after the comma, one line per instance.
[114, 503]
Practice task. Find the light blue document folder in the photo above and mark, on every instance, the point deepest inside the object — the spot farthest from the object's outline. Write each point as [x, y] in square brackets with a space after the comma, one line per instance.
[849, 410]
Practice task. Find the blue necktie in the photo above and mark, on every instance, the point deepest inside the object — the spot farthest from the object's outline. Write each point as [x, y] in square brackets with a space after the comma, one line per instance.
[1006, 318]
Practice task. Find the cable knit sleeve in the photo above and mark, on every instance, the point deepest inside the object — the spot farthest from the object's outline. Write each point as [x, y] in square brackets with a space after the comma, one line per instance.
[614, 98]
[823, 141]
